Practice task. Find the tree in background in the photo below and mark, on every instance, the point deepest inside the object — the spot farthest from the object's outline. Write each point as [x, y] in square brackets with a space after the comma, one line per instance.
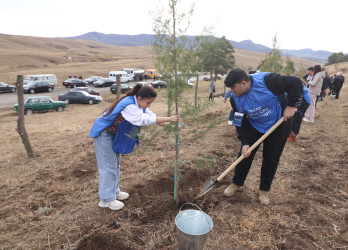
[337, 58]
[273, 61]
[217, 55]
[289, 66]
[172, 52]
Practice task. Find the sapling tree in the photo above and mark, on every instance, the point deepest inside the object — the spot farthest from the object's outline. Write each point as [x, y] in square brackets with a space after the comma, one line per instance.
[171, 49]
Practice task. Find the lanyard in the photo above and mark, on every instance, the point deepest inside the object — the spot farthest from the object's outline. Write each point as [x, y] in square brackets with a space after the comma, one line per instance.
[242, 100]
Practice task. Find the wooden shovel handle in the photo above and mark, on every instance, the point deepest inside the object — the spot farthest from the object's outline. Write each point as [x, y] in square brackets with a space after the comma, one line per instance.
[258, 142]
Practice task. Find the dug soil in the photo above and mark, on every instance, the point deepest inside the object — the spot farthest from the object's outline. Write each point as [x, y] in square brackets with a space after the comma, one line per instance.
[51, 201]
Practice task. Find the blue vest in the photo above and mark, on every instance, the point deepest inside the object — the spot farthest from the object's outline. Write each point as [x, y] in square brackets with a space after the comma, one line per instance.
[261, 105]
[306, 95]
[126, 134]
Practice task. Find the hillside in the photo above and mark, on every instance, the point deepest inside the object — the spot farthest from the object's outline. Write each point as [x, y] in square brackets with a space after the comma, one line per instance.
[319, 56]
[64, 57]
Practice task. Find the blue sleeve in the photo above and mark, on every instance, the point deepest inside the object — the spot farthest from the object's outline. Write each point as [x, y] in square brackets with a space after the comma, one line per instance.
[228, 94]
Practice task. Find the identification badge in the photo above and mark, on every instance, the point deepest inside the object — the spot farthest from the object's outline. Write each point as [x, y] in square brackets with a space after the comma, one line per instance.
[237, 119]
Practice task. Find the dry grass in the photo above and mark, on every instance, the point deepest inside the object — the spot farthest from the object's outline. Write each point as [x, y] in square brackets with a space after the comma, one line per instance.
[22, 55]
[51, 201]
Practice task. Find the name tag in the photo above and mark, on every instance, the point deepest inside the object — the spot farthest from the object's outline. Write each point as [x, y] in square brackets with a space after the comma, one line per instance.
[237, 119]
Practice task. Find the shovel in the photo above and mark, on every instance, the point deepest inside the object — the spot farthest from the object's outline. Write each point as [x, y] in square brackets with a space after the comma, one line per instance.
[210, 184]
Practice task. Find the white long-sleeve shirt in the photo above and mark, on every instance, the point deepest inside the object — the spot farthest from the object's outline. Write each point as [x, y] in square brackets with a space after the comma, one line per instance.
[135, 115]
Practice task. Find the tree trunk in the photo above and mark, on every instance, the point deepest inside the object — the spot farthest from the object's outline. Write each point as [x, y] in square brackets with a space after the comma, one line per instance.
[20, 121]
[196, 90]
[177, 139]
[118, 86]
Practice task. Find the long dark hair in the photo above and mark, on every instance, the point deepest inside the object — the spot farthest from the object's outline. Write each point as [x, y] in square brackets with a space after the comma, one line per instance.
[317, 69]
[138, 90]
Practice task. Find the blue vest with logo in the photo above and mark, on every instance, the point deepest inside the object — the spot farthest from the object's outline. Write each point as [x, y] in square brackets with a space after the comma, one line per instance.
[260, 105]
[126, 133]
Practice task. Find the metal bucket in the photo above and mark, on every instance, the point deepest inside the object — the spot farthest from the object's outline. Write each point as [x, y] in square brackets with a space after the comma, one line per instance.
[192, 228]
[332, 97]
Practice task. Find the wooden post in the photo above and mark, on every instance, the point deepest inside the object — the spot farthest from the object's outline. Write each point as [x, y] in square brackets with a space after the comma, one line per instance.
[20, 122]
[118, 85]
[196, 90]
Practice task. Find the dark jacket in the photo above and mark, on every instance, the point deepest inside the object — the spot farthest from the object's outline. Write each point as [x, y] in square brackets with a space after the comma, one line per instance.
[338, 82]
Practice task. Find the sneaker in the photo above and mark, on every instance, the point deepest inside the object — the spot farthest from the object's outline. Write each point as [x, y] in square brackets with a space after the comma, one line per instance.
[230, 123]
[113, 205]
[307, 120]
[122, 196]
[231, 189]
[263, 196]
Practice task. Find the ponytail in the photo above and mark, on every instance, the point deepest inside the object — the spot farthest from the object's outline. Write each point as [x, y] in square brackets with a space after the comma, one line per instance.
[137, 90]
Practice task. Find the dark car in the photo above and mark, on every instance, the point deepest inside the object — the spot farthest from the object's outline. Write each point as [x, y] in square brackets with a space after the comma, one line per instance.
[87, 89]
[92, 79]
[103, 82]
[35, 87]
[124, 88]
[206, 78]
[4, 88]
[41, 103]
[79, 97]
[159, 84]
[74, 82]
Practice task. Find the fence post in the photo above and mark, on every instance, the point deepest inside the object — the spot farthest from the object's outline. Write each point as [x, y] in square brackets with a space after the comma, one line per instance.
[118, 85]
[20, 122]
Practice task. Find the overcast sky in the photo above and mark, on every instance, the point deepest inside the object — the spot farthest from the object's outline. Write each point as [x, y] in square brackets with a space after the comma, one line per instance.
[299, 24]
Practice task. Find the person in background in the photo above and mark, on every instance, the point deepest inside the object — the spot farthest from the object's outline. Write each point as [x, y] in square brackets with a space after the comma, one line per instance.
[259, 102]
[314, 90]
[230, 117]
[115, 132]
[337, 84]
[326, 85]
[212, 87]
[296, 120]
[309, 75]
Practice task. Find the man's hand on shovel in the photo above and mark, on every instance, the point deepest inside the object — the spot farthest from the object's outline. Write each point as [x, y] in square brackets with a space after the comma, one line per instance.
[245, 151]
[289, 112]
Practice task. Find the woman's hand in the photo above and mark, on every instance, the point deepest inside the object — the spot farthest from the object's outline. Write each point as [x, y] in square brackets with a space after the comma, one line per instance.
[175, 118]
[245, 151]
[224, 100]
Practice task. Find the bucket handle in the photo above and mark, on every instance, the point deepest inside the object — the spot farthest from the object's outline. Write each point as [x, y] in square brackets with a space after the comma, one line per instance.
[205, 217]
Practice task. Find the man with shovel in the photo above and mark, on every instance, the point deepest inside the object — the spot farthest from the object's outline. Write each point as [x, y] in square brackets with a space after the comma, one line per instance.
[259, 102]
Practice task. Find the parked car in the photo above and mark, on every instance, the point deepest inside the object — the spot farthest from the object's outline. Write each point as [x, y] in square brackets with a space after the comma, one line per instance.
[92, 79]
[41, 103]
[4, 88]
[159, 84]
[206, 78]
[103, 82]
[192, 80]
[79, 97]
[144, 83]
[74, 82]
[35, 87]
[124, 88]
[87, 89]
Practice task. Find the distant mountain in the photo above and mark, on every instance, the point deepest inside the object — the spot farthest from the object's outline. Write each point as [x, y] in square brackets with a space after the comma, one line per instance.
[319, 56]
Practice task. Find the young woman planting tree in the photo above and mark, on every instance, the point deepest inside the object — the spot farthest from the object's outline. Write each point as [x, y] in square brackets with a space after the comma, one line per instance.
[115, 132]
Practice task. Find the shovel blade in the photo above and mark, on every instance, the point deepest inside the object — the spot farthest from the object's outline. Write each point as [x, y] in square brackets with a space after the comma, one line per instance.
[207, 187]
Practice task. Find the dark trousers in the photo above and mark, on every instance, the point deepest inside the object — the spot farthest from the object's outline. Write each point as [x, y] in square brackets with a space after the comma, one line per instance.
[296, 120]
[336, 91]
[211, 97]
[273, 147]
